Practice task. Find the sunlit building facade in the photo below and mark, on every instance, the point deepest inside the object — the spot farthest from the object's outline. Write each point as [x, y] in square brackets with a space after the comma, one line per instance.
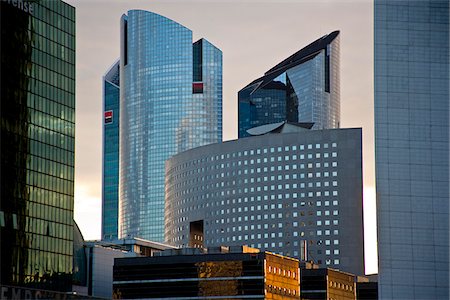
[170, 101]
[220, 273]
[303, 88]
[110, 178]
[37, 146]
[412, 147]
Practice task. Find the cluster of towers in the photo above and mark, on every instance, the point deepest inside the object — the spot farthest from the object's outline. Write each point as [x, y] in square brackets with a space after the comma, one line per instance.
[291, 183]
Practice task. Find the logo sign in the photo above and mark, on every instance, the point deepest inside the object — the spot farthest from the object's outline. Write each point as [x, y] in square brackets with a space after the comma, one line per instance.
[23, 5]
[197, 87]
[19, 293]
[108, 116]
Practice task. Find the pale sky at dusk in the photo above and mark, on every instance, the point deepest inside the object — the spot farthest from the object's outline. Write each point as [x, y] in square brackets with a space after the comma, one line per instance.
[253, 36]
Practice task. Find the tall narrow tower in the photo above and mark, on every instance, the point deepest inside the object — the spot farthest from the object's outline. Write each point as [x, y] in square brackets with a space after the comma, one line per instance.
[170, 101]
[110, 178]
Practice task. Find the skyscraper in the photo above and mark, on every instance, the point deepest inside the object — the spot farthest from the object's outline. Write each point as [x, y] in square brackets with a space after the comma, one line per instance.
[170, 101]
[304, 88]
[110, 183]
[37, 145]
[412, 147]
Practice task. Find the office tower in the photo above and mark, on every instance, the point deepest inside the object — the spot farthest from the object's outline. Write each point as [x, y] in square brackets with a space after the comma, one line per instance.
[303, 88]
[170, 101]
[411, 148]
[288, 190]
[221, 273]
[110, 183]
[37, 145]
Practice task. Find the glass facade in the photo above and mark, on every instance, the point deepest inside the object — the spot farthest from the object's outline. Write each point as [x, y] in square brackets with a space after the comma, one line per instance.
[164, 109]
[412, 148]
[304, 88]
[37, 143]
[110, 183]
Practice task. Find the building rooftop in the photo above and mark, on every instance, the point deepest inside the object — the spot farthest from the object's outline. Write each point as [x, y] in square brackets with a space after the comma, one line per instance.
[122, 244]
[299, 57]
[280, 127]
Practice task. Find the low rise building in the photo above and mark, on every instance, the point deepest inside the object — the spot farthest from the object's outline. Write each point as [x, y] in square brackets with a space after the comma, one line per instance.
[216, 273]
[326, 283]
[367, 287]
[95, 259]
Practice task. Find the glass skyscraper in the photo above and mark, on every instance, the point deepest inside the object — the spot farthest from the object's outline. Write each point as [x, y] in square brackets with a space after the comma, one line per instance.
[37, 144]
[170, 101]
[412, 147]
[110, 184]
[303, 88]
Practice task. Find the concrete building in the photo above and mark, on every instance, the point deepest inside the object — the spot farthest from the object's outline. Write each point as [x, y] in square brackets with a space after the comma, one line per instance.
[290, 190]
[220, 273]
[412, 147]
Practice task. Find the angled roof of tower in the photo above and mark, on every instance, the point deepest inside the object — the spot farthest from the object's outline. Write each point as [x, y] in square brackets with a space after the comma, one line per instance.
[113, 74]
[297, 58]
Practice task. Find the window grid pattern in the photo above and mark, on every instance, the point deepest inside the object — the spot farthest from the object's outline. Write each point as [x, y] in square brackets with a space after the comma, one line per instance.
[38, 144]
[282, 195]
[412, 147]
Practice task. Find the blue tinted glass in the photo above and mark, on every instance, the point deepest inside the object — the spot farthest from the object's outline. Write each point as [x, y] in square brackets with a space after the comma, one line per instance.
[303, 88]
[163, 112]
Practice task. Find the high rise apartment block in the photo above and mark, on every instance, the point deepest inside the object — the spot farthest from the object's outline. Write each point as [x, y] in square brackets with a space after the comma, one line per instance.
[288, 190]
[412, 148]
[170, 101]
[37, 146]
[304, 88]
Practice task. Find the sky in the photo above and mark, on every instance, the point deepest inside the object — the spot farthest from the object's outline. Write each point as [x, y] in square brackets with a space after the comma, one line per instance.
[254, 35]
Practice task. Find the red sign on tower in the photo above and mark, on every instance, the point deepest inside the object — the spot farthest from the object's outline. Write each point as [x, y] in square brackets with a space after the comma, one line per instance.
[108, 116]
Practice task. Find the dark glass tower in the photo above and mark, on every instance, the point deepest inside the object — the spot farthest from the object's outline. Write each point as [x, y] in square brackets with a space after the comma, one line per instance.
[303, 88]
[37, 118]
[412, 147]
[170, 101]
[110, 184]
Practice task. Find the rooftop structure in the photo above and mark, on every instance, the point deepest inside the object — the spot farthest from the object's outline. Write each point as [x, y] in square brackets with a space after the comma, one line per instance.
[305, 87]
